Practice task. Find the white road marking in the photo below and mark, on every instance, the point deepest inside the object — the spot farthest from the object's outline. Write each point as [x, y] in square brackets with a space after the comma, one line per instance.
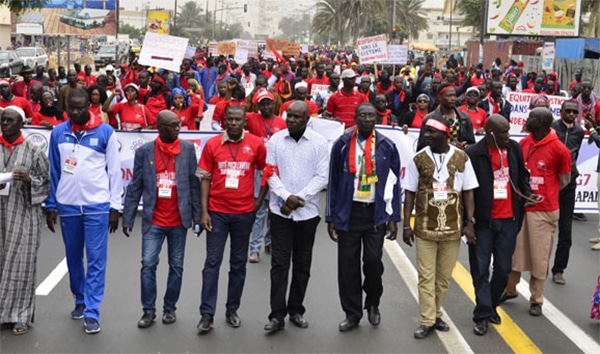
[54, 278]
[452, 340]
[563, 323]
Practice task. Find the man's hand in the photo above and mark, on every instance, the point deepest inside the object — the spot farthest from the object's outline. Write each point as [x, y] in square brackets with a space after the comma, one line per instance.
[331, 231]
[2, 186]
[256, 205]
[405, 129]
[285, 210]
[294, 202]
[51, 216]
[21, 175]
[392, 227]
[589, 122]
[113, 221]
[532, 200]
[408, 236]
[127, 231]
[469, 231]
[206, 222]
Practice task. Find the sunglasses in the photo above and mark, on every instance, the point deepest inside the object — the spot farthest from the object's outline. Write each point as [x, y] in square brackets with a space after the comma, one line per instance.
[575, 111]
[423, 101]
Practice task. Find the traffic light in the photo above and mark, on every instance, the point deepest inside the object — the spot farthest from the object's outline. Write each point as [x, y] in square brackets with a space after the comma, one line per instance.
[245, 7]
[394, 32]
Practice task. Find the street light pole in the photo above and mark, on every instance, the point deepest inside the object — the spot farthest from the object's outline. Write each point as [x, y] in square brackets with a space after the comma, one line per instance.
[393, 13]
[450, 28]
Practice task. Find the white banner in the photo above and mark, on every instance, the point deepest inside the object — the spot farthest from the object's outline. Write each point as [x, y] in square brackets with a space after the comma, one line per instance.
[250, 46]
[315, 88]
[397, 54]
[241, 56]
[586, 197]
[548, 55]
[520, 109]
[163, 51]
[372, 49]
[190, 52]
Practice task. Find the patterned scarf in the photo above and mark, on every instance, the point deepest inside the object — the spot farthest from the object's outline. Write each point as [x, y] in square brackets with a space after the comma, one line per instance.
[368, 173]
[10, 146]
[585, 108]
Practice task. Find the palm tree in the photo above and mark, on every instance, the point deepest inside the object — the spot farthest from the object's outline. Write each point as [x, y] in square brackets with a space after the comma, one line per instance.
[411, 18]
[329, 18]
[190, 15]
[358, 12]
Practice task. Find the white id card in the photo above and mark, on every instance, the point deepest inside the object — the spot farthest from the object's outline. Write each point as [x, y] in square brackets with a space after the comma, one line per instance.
[500, 190]
[6, 189]
[440, 191]
[165, 189]
[70, 165]
[232, 179]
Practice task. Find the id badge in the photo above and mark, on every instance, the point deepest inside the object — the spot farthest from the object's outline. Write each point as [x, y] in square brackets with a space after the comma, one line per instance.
[500, 190]
[6, 189]
[165, 189]
[440, 191]
[232, 179]
[70, 165]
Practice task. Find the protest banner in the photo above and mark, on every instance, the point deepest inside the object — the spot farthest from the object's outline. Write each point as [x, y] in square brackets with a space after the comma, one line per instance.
[291, 49]
[304, 49]
[520, 109]
[163, 51]
[397, 54]
[248, 87]
[372, 49]
[276, 43]
[213, 48]
[250, 46]
[226, 48]
[548, 56]
[241, 56]
[190, 52]
[316, 88]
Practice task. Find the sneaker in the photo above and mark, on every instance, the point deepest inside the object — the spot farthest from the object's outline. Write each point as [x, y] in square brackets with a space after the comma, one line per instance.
[558, 278]
[254, 257]
[595, 240]
[535, 309]
[205, 324]
[91, 325]
[169, 316]
[77, 313]
[579, 217]
[596, 247]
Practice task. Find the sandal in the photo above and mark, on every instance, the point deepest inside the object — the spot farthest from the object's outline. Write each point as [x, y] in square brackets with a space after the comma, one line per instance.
[20, 328]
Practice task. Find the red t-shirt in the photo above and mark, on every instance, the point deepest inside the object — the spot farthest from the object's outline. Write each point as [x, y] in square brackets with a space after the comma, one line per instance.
[475, 81]
[39, 117]
[501, 208]
[264, 128]
[343, 106]
[166, 210]
[317, 81]
[132, 117]
[239, 158]
[220, 108]
[216, 99]
[545, 160]
[417, 120]
[477, 118]
[21, 102]
[313, 109]
[187, 117]
[154, 105]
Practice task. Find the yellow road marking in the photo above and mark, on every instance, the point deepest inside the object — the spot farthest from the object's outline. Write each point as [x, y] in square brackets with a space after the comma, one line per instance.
[512, 334]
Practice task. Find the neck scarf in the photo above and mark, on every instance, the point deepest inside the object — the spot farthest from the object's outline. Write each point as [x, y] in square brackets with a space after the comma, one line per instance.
[384, 116]
[221, 77]
[92, 123]
[585, 108]
[171, 149]
[399, 99]
[494, 106]
[10, 146]
[368, 173]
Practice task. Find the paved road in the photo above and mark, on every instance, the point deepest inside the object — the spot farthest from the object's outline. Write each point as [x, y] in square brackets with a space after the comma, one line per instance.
[54, 332]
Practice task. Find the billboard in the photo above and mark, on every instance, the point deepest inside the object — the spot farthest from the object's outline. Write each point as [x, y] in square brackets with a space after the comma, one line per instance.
[556, 18]
[68, 17]
[158, 21]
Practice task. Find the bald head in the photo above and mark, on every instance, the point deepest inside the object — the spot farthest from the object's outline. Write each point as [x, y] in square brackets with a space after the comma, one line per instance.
[539, 122]
[168, 125]
[497, 131]
[300, 106]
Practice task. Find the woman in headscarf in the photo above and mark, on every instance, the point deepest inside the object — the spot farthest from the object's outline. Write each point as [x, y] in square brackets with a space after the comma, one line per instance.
[49, 115]
[184, 107]
[132, 114]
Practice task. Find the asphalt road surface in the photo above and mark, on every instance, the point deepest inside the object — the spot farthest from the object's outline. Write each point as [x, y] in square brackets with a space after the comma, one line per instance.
[565, 326]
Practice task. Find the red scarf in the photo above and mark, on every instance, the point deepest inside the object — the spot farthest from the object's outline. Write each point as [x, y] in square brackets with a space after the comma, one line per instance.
[494, 104]
[221, 77]
[367, 158]
[171, 149]
[10, 146]
[383, 91]
[384, 116]
[92, 123]
[269, 171]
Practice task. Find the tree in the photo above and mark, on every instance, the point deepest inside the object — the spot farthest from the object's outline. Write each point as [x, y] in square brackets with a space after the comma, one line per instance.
[592, 28]
[411, 18]
[18, 6]
[357, 13]
[471, 11]
[133, 32]
[190, 15]
[329, 18]
[294, 28]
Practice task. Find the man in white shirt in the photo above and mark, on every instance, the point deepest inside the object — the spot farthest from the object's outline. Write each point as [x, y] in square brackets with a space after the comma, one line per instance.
[297, 170]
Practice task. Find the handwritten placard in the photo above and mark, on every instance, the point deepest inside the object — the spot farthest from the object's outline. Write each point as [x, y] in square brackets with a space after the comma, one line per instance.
[372, 49]
[163, 51]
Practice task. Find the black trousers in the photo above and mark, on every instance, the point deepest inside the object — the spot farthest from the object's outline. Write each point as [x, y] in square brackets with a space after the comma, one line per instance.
[361, 232]
[290, 240]
[566, 202]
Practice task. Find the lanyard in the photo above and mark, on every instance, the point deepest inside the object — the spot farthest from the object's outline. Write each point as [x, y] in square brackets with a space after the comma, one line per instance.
[442, 160]
[6, 161]
[269, 128]
[237, 149]
[162, 158]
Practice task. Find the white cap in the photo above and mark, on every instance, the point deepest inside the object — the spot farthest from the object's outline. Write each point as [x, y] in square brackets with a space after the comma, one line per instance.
[348, 74]
[109, 67]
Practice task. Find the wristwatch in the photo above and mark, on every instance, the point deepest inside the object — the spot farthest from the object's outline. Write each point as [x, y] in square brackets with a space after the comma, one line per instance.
[471, 220]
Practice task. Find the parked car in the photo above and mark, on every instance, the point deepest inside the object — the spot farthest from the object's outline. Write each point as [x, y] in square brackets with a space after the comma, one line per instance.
[106, 55]
[10, 63]
[33, 56]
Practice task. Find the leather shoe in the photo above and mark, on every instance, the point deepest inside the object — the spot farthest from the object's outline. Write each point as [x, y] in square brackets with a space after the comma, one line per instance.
[274, 325]
[559, 279]
[232, 318]
[169, 316]
[423, 331]
[506, 296]
[481, 327]
[347, 325]
[205, 324]
[440, 325]
[495, 318]
[299, 320]
[535, 309]
[374, 315]
[147, 319]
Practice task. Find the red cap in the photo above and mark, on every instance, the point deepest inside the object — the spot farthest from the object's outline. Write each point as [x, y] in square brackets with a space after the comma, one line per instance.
[159, 79]
[261, 95]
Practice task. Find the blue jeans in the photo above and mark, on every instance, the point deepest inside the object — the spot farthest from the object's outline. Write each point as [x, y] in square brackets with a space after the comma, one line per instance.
[237, 226]
[151, 245]
[258, 228]
[498, 239]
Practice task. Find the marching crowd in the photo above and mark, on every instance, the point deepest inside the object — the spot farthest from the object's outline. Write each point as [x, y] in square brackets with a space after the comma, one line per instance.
[260, 180]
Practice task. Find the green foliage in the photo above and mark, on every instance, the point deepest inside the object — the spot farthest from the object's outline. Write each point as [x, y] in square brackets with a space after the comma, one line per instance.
[471, 10]
[294, 29]
[18, 6]
[133, 32]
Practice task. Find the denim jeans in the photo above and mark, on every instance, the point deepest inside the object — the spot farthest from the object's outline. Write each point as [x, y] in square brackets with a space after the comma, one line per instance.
[238, 227]
[258, 228]
[499, 240]
[151, 245]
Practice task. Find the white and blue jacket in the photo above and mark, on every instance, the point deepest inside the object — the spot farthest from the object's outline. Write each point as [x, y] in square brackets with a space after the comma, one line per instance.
[96, 185]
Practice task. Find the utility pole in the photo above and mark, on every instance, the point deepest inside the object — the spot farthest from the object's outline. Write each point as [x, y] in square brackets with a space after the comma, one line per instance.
[393, 14]
[450, 28]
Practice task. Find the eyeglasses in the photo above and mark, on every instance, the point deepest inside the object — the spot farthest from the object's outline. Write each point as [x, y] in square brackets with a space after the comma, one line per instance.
[575, 111]
[423, 101]
[171, 125]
